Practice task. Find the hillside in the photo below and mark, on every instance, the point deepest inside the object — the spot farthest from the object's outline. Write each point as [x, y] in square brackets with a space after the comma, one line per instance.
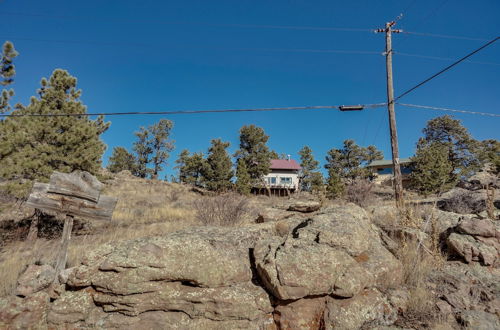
[177, 258]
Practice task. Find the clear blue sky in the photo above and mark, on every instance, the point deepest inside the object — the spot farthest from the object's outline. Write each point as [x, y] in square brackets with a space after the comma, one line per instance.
[176, 55]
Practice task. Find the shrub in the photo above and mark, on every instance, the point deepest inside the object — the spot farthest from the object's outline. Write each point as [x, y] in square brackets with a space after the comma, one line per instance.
[359, 192]
[223, 210]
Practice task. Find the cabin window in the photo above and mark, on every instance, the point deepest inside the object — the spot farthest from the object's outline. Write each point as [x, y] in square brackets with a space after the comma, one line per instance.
[271, 180]
[285, 180]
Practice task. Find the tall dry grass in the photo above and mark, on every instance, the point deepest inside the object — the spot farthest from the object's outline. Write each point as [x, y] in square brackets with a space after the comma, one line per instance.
[145, 208]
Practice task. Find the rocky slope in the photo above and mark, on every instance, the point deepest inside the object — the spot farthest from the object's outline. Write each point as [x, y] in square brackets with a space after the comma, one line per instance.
[297, 267]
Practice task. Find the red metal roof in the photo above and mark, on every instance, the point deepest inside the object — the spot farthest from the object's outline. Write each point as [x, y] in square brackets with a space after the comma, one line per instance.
[284, 164]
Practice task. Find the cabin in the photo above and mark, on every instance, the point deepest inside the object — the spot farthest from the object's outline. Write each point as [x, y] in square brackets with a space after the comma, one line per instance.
[382, 170]
[283, 178]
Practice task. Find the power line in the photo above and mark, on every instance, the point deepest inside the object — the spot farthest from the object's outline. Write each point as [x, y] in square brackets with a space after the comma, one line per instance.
[180, 112]
[446, 36]
[164, 22]
[129, 44]
[444, 58]
[450, 110]
[447, 68]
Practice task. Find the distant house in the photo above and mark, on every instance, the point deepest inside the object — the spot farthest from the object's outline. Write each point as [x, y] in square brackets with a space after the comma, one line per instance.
[382, 170]
[283, 178]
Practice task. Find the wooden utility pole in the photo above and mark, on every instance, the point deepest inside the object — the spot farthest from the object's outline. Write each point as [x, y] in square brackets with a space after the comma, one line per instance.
[398, 183]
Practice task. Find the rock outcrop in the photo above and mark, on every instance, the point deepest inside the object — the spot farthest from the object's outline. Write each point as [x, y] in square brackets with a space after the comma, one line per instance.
[310, 273]
[327, 270]
[475, 239]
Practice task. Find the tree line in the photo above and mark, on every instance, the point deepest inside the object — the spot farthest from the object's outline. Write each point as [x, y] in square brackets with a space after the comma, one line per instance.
[31, 148]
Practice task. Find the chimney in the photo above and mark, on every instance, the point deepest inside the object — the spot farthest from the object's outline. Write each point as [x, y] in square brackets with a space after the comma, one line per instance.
[288, 157]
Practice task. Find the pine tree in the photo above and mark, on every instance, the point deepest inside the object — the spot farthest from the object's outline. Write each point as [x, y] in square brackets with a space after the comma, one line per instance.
[431, 168]
[182, 166]
[489, 153]
[309, 178]
[191, 168]
[218, 172]
[254, 152]
[121, 160]
[143, 151]
[243, 181]
[153, 146]
[335, 186]
[461, 147]
[160, 144]
[33, 147]
[350, 161]
[7, 73]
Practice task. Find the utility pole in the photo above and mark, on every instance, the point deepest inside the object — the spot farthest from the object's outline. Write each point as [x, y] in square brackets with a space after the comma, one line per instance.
[398, 184]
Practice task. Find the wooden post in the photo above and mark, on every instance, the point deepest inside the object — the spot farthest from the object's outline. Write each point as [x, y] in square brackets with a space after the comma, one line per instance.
[33, 231]
[62, 256]
[398, 184]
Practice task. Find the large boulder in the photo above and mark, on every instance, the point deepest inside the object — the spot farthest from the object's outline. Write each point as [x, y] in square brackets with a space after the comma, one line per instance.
[294, 271]
[337, 252]
[204, 273]
[305, 206]
[476, 239]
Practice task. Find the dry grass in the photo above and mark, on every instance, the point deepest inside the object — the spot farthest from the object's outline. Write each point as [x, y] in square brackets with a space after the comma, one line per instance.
[16, 258]
[145, 208]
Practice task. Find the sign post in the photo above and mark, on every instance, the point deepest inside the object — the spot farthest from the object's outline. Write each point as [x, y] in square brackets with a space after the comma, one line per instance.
[74, 194]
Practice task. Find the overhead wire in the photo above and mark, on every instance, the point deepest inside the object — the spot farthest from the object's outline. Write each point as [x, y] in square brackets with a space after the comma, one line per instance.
[449, 109]
[445, 36]
[446, 68]
[444, 58]
[180, 112]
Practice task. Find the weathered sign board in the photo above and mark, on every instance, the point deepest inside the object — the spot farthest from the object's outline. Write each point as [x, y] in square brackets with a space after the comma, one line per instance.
[74, 194]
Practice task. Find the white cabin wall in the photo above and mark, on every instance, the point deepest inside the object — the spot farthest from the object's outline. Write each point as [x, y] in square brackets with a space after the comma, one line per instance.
[283, 173]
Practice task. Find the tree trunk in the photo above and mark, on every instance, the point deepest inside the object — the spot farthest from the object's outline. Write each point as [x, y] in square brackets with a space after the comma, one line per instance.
[63, 250]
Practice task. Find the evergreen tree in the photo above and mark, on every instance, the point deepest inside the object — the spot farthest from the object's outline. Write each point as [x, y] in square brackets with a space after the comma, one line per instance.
[153, 147]
[218, 172]
[350, 162]
[431, 168]
[143, 151]
[243, 181]
[335, 186]
[461, 147]
[309, 178]
[121, 160]
[33, 147]
[489, 153]
[7, 73]
[160, 144]
[317, 182]
[181, 165]
[254, 152]
[191, 168]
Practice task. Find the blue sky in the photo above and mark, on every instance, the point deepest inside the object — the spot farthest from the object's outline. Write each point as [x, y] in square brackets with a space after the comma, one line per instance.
[180, 55]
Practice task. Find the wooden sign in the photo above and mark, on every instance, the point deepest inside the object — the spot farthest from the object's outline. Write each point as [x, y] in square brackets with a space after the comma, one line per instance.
[43, 198]
[76, 194]
[77, 184]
